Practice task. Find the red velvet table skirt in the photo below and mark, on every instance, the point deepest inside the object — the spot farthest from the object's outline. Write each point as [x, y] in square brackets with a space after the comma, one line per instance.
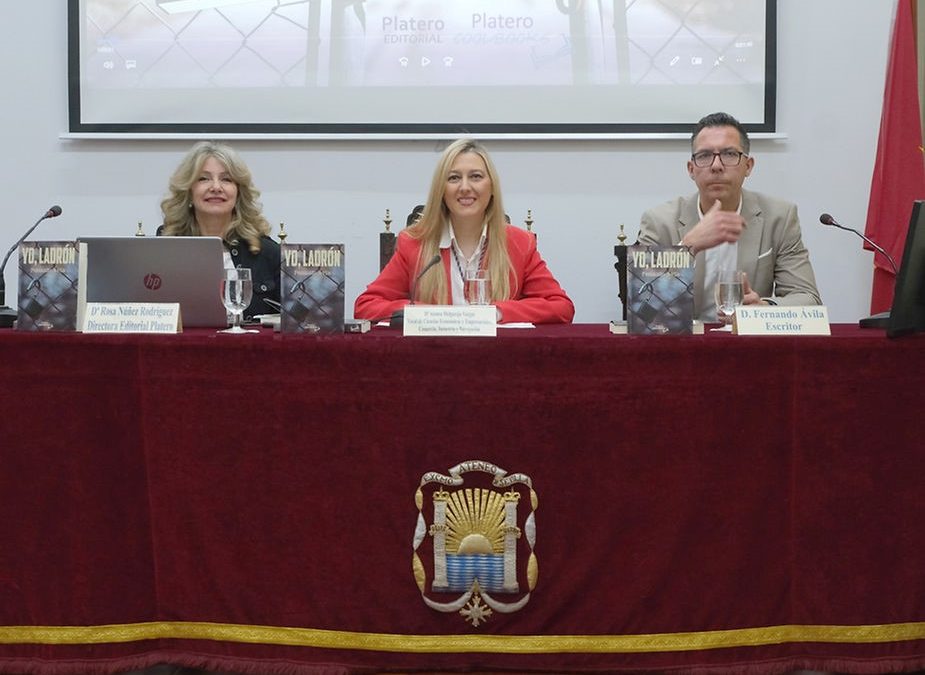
[705, 503]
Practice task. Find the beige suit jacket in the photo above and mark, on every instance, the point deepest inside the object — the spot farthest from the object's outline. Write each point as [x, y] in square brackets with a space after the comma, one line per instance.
[770, 250]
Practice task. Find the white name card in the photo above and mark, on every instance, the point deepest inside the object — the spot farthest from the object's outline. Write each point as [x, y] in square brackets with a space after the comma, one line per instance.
[451, 320]
[132, 317]
[781, 320]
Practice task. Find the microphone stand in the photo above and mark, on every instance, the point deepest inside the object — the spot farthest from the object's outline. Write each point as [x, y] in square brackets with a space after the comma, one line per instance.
[397, 319]
[881, 319]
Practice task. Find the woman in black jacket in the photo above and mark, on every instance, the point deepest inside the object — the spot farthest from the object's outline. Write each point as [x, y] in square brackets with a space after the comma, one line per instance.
[212, 194]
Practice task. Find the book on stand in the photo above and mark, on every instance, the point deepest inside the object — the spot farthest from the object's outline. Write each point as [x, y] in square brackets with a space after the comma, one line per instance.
[660, 290]
[48, 286]
[312, 291]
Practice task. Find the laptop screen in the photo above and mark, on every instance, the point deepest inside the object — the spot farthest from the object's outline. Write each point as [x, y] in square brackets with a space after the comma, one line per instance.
[187, 270]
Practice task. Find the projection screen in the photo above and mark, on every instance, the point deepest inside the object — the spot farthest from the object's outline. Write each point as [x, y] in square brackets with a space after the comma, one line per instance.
[418, 67]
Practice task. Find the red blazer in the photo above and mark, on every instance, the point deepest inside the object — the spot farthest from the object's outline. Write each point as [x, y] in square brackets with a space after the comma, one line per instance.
[539, 299]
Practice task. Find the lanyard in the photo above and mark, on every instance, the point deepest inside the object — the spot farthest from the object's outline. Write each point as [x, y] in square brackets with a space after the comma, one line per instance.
[459, 266]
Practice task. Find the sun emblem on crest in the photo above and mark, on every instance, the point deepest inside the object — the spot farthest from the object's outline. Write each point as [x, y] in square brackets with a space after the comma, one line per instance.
[476, 536]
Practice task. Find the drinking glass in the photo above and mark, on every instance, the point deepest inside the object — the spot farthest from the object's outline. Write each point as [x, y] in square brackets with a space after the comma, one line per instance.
[237, 290]
[478, 287]
[728, 293]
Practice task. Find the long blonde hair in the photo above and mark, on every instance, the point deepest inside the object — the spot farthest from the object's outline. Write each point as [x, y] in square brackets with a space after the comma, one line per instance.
[247, 221]
[429, 229]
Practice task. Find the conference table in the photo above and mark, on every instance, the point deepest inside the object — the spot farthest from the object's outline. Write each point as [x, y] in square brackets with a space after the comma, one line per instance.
[556, 499]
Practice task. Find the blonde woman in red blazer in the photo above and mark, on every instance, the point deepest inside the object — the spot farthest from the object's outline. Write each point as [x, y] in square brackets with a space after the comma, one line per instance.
[464, 224]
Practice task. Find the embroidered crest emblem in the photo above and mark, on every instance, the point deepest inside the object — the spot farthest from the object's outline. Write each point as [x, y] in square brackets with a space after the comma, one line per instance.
[474, 526]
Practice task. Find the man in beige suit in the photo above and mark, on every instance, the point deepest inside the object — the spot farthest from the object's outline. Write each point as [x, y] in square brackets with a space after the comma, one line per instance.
[727, 227]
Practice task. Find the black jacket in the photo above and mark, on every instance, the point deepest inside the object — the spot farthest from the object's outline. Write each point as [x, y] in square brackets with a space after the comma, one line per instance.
[264, 267]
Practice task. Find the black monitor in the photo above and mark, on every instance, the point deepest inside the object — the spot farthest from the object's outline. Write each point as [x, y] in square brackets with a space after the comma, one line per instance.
[908, 312]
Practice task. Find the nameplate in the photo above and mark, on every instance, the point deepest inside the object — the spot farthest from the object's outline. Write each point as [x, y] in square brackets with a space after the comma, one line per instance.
[132, 317]
[781, 320]
[450, 320]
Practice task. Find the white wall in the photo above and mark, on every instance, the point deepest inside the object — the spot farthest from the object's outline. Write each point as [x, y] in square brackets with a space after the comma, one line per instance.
[831, 65]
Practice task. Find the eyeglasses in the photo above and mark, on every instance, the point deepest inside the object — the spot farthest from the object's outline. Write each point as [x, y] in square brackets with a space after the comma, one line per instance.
[705, 158]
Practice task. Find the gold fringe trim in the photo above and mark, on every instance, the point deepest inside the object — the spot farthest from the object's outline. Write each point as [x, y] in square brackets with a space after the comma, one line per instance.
[506, 644]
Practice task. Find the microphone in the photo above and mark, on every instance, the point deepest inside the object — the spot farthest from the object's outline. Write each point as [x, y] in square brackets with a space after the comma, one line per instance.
[398, 316]
[882, 319]
[7, 314]
[826, 219]
[430, 263]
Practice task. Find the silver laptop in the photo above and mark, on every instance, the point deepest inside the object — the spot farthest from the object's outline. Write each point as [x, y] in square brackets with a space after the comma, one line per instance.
[187, 270]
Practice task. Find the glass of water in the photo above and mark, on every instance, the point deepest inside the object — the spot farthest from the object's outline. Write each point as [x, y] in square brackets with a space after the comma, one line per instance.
[478, 287]
[728, 293]
[237, 290]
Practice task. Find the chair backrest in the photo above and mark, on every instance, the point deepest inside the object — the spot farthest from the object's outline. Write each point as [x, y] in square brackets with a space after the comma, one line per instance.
[414, 216]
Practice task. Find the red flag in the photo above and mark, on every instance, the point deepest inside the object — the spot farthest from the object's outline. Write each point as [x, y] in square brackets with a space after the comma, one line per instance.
[899, 169]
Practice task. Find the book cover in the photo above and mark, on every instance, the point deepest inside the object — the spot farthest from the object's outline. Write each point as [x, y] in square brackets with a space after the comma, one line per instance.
[312, 291]
[660, 290]
[48, 283]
